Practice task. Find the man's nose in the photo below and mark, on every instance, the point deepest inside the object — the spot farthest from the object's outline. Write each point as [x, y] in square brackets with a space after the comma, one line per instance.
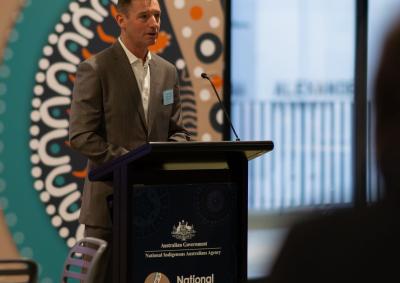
[153, 21]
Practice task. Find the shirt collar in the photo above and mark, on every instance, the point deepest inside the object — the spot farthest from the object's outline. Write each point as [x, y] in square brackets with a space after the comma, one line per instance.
[131, 57]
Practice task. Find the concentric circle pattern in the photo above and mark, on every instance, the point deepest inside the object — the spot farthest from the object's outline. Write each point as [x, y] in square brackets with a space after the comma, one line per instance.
[85, 29]
[41, 177]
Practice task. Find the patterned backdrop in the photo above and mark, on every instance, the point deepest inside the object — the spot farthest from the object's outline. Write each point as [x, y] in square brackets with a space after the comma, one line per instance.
[40, 176]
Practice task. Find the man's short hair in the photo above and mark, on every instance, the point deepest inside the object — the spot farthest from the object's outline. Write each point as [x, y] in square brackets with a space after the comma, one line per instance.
[123, 5]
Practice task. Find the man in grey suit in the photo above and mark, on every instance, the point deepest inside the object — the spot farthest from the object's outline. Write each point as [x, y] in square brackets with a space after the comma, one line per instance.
[123, 97]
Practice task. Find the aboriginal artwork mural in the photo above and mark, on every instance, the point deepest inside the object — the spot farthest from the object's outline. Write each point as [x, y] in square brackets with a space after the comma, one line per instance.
[41, 178]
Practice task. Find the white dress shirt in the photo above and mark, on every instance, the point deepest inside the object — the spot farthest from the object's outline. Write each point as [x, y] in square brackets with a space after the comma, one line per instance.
[142, 74]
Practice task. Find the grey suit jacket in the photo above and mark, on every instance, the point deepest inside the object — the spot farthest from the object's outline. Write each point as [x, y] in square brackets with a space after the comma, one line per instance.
[107, 118]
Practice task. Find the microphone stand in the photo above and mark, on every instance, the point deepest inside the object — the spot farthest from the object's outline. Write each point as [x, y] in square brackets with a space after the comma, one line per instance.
[205, 76]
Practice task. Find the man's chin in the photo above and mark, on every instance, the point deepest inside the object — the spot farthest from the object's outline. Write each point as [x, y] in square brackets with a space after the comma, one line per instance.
[151, 42]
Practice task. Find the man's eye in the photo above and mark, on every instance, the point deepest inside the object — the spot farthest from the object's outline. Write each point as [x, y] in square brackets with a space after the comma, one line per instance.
[143, 17]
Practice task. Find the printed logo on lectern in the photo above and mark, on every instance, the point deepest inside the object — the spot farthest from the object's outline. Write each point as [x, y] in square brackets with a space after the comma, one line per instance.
[157, 277]
[183, 231]
[195, 279]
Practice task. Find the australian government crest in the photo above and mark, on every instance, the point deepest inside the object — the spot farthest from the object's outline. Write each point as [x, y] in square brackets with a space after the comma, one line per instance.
[183, 231]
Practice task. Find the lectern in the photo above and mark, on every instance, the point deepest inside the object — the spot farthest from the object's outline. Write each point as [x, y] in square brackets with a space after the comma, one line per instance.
[180, 211]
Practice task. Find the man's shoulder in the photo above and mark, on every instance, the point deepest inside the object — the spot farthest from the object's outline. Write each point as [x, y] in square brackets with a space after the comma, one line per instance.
[160, 61]
[102, 58]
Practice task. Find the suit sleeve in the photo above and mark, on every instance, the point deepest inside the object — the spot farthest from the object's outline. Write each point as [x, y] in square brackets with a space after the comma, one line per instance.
[177, 131]
[86, 128]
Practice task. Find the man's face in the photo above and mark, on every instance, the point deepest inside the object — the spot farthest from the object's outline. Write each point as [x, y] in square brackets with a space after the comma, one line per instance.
[141, 23]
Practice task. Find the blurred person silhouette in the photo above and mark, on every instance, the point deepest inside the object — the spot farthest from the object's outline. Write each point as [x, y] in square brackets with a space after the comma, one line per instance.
[357, 245]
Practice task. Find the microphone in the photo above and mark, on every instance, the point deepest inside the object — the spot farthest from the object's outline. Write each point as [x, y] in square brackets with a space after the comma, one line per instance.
[204, 76]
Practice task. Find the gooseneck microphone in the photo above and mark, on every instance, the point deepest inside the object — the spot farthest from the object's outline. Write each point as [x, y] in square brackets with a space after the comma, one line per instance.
[204, 76]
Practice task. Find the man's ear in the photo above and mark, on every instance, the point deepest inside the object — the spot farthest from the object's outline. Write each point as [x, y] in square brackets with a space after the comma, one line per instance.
[120, 18]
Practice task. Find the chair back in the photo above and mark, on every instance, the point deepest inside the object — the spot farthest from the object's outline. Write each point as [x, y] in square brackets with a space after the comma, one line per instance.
[18, 270]
[83, 259]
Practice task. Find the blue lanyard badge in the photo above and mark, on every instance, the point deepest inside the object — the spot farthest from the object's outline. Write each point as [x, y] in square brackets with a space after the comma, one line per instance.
[168, 97]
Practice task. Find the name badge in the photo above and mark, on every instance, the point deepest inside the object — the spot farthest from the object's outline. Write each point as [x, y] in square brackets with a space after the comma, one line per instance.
[168, 97]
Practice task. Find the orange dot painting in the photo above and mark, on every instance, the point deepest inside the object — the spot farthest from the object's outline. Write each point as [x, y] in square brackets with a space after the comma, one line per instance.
[196, 13]
[113, 10]
[86, 53]
[217, 81]
[163, 41]
[80, 174]
[103, 36]
[71, 78]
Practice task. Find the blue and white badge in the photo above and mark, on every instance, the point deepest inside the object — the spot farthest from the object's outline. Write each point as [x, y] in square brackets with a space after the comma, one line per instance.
[168, 97]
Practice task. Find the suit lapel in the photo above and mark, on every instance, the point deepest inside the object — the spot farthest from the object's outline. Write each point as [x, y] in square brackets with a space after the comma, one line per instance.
[155, 87]
[129, 80]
